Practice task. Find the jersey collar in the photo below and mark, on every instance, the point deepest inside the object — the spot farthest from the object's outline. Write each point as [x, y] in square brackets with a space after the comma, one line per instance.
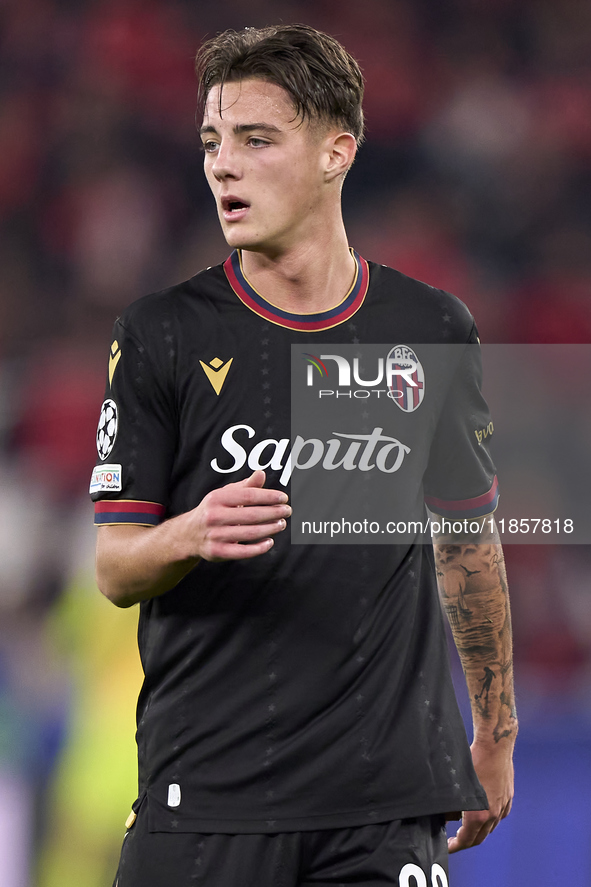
[322, 320]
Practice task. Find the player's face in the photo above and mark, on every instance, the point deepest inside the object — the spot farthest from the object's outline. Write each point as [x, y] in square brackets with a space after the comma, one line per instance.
[265, 170]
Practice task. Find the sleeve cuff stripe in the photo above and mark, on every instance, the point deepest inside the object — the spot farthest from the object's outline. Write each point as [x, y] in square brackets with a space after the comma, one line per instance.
[461, 508]
[128, 512]
[128, 505]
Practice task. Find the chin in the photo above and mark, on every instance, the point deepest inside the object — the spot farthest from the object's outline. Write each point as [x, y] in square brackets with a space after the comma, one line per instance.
[234, 238]
[239, 240]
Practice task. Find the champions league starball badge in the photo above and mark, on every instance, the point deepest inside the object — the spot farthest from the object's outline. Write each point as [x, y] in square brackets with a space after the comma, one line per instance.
[107, 429]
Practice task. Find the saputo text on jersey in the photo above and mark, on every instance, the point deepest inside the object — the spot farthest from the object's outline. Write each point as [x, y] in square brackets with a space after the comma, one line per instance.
[387, 452]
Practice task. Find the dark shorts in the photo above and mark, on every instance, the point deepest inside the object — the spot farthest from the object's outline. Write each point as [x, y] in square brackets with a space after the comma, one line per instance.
[403, 853]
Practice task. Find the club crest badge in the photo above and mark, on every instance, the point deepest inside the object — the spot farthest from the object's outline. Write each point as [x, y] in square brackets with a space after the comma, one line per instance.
[406, 378]
[107, 429]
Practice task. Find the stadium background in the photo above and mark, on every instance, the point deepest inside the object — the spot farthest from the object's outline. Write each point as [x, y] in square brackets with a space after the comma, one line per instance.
[476, 177]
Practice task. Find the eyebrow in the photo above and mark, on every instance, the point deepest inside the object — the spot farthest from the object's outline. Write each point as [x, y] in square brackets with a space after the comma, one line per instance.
[243, 127]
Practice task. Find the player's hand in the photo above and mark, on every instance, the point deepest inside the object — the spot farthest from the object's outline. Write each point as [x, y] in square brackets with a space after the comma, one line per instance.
[494, 767]
[239, 520]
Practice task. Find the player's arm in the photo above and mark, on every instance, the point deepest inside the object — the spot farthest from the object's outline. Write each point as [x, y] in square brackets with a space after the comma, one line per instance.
[135, 563]
[473, 588]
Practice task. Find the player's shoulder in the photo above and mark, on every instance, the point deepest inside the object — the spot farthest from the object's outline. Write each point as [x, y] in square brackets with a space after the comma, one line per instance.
[175, 305]
[434, 309]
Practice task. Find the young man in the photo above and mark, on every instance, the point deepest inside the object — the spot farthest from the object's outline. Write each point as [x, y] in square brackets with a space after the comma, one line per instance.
[297, 723]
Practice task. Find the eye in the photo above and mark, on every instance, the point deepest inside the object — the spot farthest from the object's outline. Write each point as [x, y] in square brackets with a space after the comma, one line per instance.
[256, 142]
[209, 146]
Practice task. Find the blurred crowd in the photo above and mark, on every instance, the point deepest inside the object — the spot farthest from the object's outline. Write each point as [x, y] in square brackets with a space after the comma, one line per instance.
[475, 177]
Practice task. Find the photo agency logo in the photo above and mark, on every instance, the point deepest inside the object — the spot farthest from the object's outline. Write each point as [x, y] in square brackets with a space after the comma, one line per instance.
[358, 457]
[355, 421]
[398, 376]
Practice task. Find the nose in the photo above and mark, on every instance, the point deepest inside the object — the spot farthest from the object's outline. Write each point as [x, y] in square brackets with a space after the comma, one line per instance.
[225, 164]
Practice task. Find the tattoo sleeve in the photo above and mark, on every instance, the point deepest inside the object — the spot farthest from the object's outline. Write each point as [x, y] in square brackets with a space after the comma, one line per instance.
[473, 589]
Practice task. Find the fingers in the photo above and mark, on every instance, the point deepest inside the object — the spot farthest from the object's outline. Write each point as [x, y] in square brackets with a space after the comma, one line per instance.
[246, 532]
[256, 479]
[494, 768]
[233, 551]
[234, 541]
[249, 491]
[245, 502]
[476, 826]
[237, 542]
[220, 515]
[239, 520]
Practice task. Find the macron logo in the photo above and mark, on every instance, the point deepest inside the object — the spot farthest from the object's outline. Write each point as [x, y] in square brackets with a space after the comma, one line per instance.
[216, 371]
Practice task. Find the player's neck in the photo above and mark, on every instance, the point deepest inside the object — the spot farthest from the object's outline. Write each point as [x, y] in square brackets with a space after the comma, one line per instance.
[306, 278]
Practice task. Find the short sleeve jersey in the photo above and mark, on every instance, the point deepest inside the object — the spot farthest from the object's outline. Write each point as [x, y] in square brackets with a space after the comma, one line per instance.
[309, 687]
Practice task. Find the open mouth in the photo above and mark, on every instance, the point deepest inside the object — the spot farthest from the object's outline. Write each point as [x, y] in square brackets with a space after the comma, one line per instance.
[232, 205]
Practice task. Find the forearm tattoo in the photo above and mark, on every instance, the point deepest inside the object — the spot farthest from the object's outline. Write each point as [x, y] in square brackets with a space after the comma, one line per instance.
[473, 589]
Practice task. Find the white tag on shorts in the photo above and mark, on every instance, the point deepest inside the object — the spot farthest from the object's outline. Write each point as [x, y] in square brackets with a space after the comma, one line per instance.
[174, 795]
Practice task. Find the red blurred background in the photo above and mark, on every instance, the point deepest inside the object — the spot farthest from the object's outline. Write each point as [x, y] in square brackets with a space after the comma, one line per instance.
[476, 177]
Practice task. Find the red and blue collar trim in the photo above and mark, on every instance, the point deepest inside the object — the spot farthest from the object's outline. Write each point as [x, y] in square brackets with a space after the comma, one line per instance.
[323, 320]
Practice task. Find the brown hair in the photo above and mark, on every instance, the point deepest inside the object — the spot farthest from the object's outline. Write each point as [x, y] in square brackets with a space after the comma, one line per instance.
[324, 82]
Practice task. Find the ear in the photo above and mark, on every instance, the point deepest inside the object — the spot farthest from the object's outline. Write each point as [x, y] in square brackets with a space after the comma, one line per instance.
[341, 148]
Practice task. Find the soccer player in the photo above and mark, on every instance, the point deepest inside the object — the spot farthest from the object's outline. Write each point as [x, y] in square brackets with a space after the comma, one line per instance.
[297, 724]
